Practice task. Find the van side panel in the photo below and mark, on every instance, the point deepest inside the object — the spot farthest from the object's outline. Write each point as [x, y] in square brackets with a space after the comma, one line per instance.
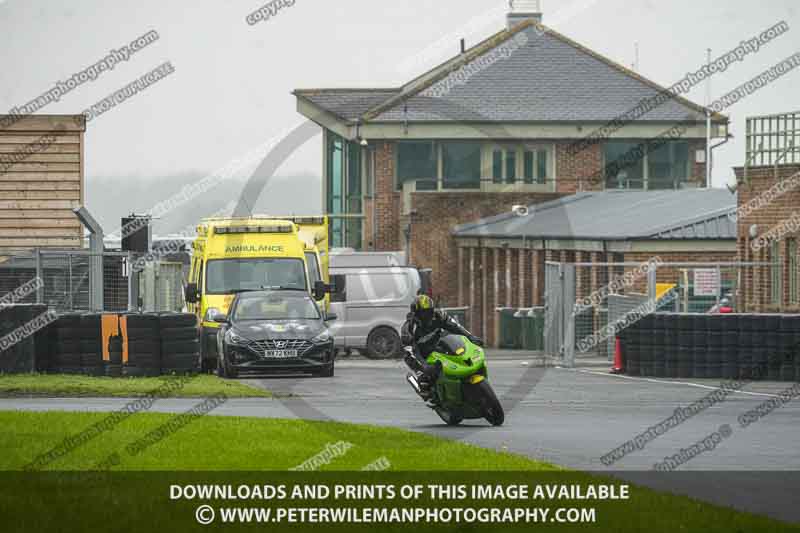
[375, 297]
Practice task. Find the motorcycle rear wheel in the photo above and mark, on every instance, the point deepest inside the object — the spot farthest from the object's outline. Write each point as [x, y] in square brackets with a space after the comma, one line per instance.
[492, 409]
[451, 419]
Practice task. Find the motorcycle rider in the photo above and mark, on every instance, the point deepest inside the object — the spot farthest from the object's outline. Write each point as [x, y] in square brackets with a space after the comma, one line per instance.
[423, 320]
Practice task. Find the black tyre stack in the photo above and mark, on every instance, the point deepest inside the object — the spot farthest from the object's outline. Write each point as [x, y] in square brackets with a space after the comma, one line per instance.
[659, 345]
[747, 342]
[732, 346]
[46, 346]
[671, 347]
[19, 357]
[731, 327]
[715, 354]
[633, 349]
[144, 345]
[91, 344]
[772, 342]
[67, 340]
[180, 343]
[700, 345]
[685, 345]
[786, 348]
[761, 351]
[646, 347]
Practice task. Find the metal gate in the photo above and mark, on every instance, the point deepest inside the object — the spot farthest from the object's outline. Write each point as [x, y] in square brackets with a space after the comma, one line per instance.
[559, 298]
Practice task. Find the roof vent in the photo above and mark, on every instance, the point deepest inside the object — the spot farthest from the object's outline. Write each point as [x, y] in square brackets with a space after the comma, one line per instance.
[522, 10]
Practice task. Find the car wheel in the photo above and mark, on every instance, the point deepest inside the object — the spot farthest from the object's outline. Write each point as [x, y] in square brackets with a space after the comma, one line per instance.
[224, 370]
[328, 371]
[383, 343]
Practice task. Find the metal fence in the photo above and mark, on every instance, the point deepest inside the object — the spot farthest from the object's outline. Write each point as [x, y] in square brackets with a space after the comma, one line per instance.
[773, 139]
[161, 287]
[81, 280]
[585, 303]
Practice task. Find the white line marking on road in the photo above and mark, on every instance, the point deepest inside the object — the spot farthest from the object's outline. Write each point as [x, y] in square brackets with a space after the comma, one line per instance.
[665, 382]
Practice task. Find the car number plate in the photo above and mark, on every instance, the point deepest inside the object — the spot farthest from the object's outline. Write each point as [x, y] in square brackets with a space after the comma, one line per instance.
[280, 354]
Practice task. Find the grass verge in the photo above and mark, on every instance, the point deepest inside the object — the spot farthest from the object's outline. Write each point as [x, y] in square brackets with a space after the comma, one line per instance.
[229, 450]
[62, 385]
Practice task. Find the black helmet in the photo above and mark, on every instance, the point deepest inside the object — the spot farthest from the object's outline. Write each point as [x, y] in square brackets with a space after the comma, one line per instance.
[423, 308]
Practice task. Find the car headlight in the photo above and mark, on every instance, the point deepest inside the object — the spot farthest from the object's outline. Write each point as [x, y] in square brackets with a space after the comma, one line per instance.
[322, 338]
[232, 338]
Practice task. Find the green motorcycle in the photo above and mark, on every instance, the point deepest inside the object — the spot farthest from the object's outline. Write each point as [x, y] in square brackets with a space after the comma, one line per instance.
[462, 390]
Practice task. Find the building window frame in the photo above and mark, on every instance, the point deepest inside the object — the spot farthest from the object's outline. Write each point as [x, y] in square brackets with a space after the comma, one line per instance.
[526, 156]
[646, 146]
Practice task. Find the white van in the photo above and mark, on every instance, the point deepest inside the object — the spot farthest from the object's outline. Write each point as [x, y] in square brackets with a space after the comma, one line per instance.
[372, 302]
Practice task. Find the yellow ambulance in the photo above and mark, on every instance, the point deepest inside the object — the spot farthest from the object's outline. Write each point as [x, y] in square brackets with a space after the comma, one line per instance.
[231, 255]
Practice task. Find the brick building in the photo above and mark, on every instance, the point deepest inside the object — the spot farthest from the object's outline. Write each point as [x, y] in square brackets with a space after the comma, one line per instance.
[769, 219]
[501, 260]
[502, 123]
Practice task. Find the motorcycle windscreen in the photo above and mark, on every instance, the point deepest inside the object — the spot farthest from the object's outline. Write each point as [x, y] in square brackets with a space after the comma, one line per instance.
[452, 345]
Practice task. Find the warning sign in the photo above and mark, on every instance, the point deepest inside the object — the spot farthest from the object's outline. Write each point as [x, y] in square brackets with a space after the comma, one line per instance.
[706, 282]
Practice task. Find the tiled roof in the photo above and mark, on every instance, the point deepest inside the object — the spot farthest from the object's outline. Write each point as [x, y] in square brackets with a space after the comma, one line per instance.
[528, 74]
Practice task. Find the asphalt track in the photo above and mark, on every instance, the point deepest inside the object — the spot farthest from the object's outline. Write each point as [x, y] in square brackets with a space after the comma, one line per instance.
[570, 417]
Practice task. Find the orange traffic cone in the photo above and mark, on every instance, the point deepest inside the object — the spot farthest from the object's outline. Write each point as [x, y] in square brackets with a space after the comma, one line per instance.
[618, 368]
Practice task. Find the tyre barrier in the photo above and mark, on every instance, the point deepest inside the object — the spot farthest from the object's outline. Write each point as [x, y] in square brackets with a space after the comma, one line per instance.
[102, 344]
[19, 337]
[91, 345]
[733, 346]
[180, 343]
[67, 339]
[141, 353]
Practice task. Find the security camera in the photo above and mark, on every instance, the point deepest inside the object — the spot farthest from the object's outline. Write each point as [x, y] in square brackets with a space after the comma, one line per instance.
[520, 210]
[364, 142]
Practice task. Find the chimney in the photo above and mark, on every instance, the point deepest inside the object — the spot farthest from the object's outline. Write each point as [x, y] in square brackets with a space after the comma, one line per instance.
[522, 10]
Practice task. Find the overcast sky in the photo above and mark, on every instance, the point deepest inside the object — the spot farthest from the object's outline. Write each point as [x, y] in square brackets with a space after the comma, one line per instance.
[231, 88]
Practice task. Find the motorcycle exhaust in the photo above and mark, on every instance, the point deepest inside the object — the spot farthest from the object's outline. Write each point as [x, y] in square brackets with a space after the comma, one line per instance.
[412, 380]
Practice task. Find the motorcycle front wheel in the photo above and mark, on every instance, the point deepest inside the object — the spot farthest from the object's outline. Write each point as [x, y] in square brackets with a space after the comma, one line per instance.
[492, 410]
[449, 418]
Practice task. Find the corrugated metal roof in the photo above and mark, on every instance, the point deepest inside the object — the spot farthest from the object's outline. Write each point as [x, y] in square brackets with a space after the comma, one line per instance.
[692, 214]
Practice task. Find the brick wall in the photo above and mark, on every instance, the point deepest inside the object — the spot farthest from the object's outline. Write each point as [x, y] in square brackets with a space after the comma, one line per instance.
[581, 171]
[759, 280]
[432, 245]
[584, 171]
[387, 200]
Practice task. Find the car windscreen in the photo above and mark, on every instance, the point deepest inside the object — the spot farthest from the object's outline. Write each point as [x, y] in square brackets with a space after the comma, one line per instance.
[276, 307]
[227, 276]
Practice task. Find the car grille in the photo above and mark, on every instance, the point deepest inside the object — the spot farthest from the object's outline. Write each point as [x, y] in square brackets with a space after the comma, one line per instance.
[278, 344]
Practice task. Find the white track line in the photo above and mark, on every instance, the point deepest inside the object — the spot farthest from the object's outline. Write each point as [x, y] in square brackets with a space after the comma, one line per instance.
[665, 382]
